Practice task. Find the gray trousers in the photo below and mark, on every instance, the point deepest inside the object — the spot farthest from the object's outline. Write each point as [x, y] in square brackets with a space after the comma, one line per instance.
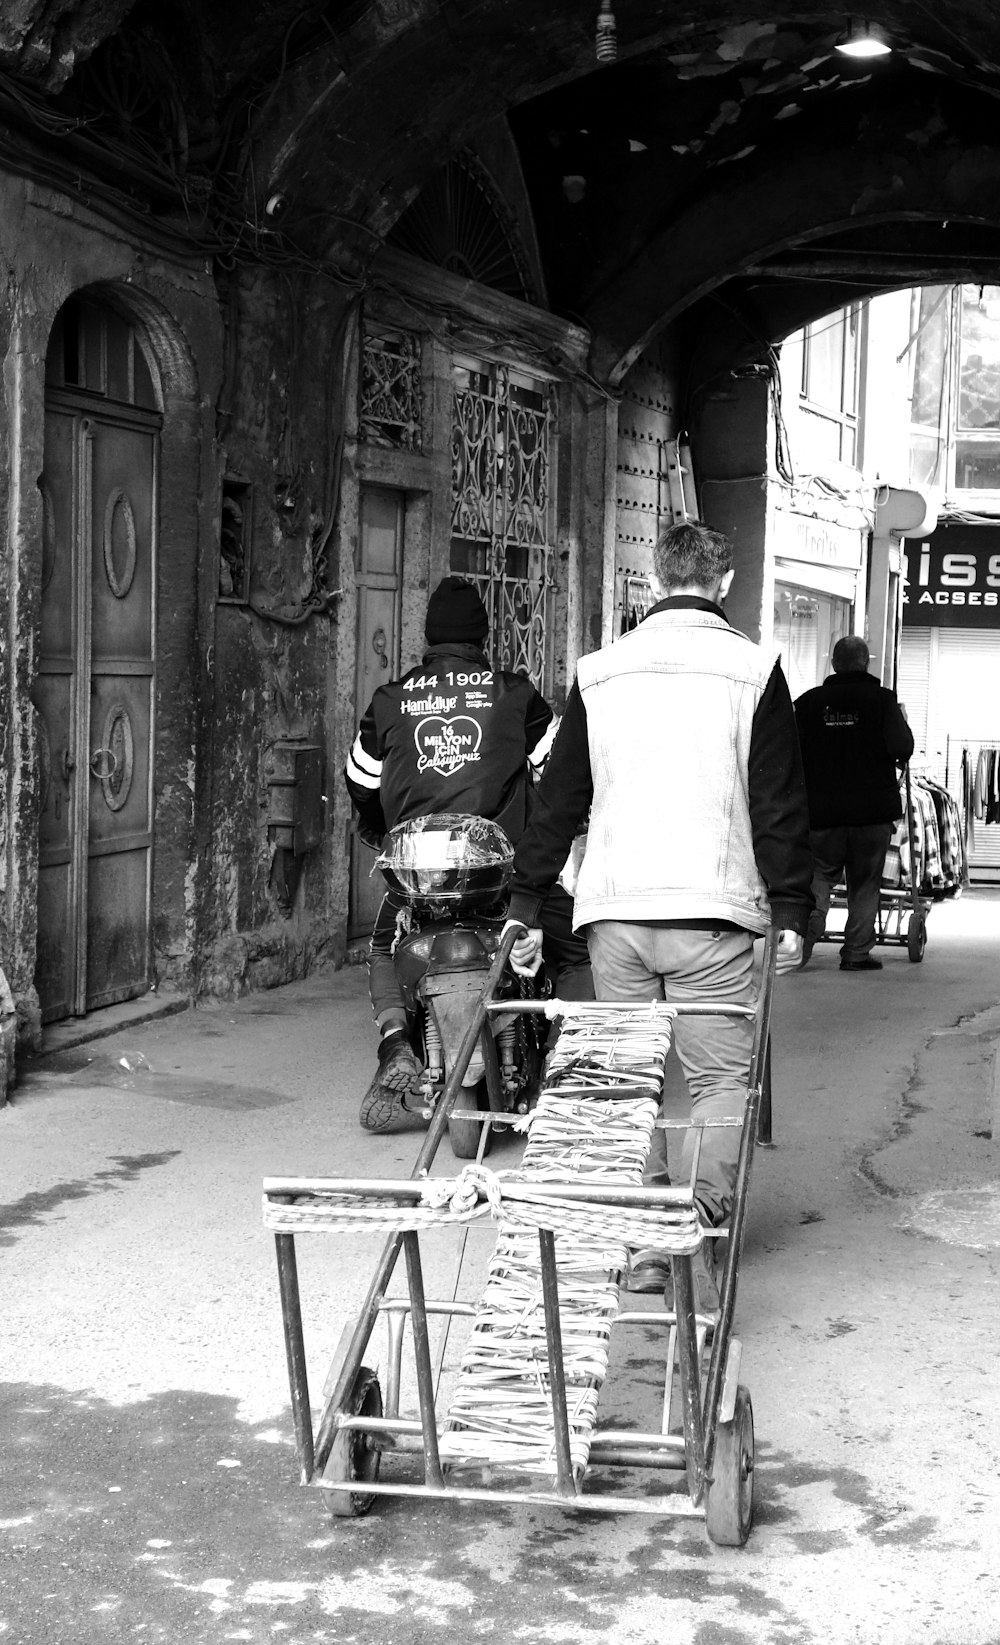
[655, 961]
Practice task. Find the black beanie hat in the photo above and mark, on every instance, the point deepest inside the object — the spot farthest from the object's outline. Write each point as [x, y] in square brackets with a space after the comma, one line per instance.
[455, 612]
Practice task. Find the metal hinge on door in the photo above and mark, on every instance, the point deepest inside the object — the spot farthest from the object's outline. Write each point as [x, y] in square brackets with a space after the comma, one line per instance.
[681, 497]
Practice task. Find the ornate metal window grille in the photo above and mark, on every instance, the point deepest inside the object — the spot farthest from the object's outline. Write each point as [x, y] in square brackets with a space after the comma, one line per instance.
[636, 600]
[459, 221]
[502, 460]
[390, 410]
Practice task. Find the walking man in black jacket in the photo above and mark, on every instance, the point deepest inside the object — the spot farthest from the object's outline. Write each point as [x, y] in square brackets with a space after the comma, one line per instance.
[854, 735]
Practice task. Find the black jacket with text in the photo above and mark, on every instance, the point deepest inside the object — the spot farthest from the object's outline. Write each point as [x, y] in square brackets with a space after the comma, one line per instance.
[852, 733]
[454, 734]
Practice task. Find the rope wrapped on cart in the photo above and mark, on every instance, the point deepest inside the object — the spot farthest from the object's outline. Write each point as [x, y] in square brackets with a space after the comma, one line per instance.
[515, 1200]
[580, 1180]
[593, 1122]
[524, 1401]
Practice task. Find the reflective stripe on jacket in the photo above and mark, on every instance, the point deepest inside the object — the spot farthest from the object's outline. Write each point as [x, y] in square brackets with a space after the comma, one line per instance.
[453, 734]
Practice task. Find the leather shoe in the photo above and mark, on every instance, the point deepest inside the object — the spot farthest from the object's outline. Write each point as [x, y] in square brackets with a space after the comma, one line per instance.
[867, 964]
[648, 1271]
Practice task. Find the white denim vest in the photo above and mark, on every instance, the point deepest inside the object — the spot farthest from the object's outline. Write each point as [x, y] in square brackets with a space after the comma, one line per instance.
[670, 710]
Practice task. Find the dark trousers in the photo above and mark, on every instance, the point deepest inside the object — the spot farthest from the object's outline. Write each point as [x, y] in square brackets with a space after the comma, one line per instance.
[565, 951]
[856, 855]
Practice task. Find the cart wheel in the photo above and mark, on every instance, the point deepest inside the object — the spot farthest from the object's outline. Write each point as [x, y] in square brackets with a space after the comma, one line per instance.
[464, 1135]
[916, 937]
[729, 1501]
[354, 1456]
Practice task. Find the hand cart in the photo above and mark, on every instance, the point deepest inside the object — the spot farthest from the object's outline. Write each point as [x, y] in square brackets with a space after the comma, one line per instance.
[522, 1425]
[901, 920]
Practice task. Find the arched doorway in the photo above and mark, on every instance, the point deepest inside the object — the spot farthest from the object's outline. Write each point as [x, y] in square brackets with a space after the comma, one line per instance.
[96, 675]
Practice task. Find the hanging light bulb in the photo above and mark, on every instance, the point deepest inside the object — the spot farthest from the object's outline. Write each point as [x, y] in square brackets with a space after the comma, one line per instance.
[607, 36]
[864, 40]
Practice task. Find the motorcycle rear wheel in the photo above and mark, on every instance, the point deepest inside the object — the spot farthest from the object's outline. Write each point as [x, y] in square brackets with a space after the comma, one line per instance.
[464, 1134]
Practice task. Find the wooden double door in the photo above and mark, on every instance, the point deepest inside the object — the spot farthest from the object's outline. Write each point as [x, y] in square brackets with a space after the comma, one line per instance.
[94, 694]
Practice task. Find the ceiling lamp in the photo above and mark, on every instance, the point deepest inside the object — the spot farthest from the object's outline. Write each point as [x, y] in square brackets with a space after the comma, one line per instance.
[864, 40]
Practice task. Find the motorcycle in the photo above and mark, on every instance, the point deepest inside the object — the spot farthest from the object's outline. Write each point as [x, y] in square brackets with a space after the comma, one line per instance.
[447, 875]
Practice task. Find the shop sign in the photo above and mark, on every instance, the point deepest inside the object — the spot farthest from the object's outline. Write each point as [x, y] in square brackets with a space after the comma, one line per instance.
[953, 579]
[818, 542]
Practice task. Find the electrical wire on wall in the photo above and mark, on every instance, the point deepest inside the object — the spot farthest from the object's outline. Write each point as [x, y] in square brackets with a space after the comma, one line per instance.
[126, 155]
[767, 366]
[782, 453]
[221, 215]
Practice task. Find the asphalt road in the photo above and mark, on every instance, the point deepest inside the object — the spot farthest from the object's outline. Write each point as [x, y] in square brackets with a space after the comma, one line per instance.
[150, 1485]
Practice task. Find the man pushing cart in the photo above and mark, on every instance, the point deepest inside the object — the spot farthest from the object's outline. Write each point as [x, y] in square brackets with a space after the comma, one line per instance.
[679, 741]
[521, 1421]
[854, 735]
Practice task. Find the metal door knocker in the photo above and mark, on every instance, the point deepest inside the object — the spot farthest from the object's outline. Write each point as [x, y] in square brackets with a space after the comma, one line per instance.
[97, 769]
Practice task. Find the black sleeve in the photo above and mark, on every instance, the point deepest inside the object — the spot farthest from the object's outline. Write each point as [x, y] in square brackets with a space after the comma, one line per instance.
[898, 736]
[779, 811]
[536, 720]
[562, 800]
[363, 773]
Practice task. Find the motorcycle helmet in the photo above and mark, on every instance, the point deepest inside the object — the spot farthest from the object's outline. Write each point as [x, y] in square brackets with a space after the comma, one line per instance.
[450, 860]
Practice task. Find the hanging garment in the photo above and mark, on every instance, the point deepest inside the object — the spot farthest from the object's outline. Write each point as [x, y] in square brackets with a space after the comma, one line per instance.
[968, 784]
[979, 785]
[992, 793]
[954, 862]
[892, 868]
[926, 821]
[910, 845]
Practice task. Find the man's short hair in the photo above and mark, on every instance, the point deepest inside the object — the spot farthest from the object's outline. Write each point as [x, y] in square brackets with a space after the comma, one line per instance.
[850, 655]
[690, 555]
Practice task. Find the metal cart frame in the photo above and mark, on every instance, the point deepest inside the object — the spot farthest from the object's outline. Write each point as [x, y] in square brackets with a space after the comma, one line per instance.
[901, 920]
[714, 1449]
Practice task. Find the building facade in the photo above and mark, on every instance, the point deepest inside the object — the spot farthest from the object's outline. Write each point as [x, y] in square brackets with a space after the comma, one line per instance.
[892, 400]
[306, 306]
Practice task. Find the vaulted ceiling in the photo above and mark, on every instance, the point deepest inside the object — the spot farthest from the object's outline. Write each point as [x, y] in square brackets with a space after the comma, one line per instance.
[730, 156]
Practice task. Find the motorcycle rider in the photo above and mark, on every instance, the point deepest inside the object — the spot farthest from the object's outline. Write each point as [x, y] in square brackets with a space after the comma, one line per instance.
[453, 734]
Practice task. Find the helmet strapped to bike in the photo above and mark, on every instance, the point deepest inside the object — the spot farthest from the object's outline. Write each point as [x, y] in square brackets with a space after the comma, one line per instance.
[448, 860]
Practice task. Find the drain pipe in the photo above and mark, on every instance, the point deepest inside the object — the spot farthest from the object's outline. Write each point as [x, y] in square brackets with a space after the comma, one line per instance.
[898, 514]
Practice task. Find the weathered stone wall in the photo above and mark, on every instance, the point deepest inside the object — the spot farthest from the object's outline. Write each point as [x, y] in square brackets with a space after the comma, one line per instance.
[259, 379]
[274, 657]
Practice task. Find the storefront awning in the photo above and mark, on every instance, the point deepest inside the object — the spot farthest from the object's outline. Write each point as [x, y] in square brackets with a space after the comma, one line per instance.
[824, 579]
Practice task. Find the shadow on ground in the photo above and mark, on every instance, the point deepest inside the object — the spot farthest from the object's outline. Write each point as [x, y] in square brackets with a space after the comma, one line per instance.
[172, 1519]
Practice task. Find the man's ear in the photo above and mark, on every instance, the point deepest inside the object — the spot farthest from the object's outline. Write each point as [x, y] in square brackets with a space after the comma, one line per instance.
[656, 587]
[727, 582]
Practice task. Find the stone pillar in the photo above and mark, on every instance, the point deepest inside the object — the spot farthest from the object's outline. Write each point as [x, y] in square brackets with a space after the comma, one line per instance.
[730, 448]
[898, 514]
